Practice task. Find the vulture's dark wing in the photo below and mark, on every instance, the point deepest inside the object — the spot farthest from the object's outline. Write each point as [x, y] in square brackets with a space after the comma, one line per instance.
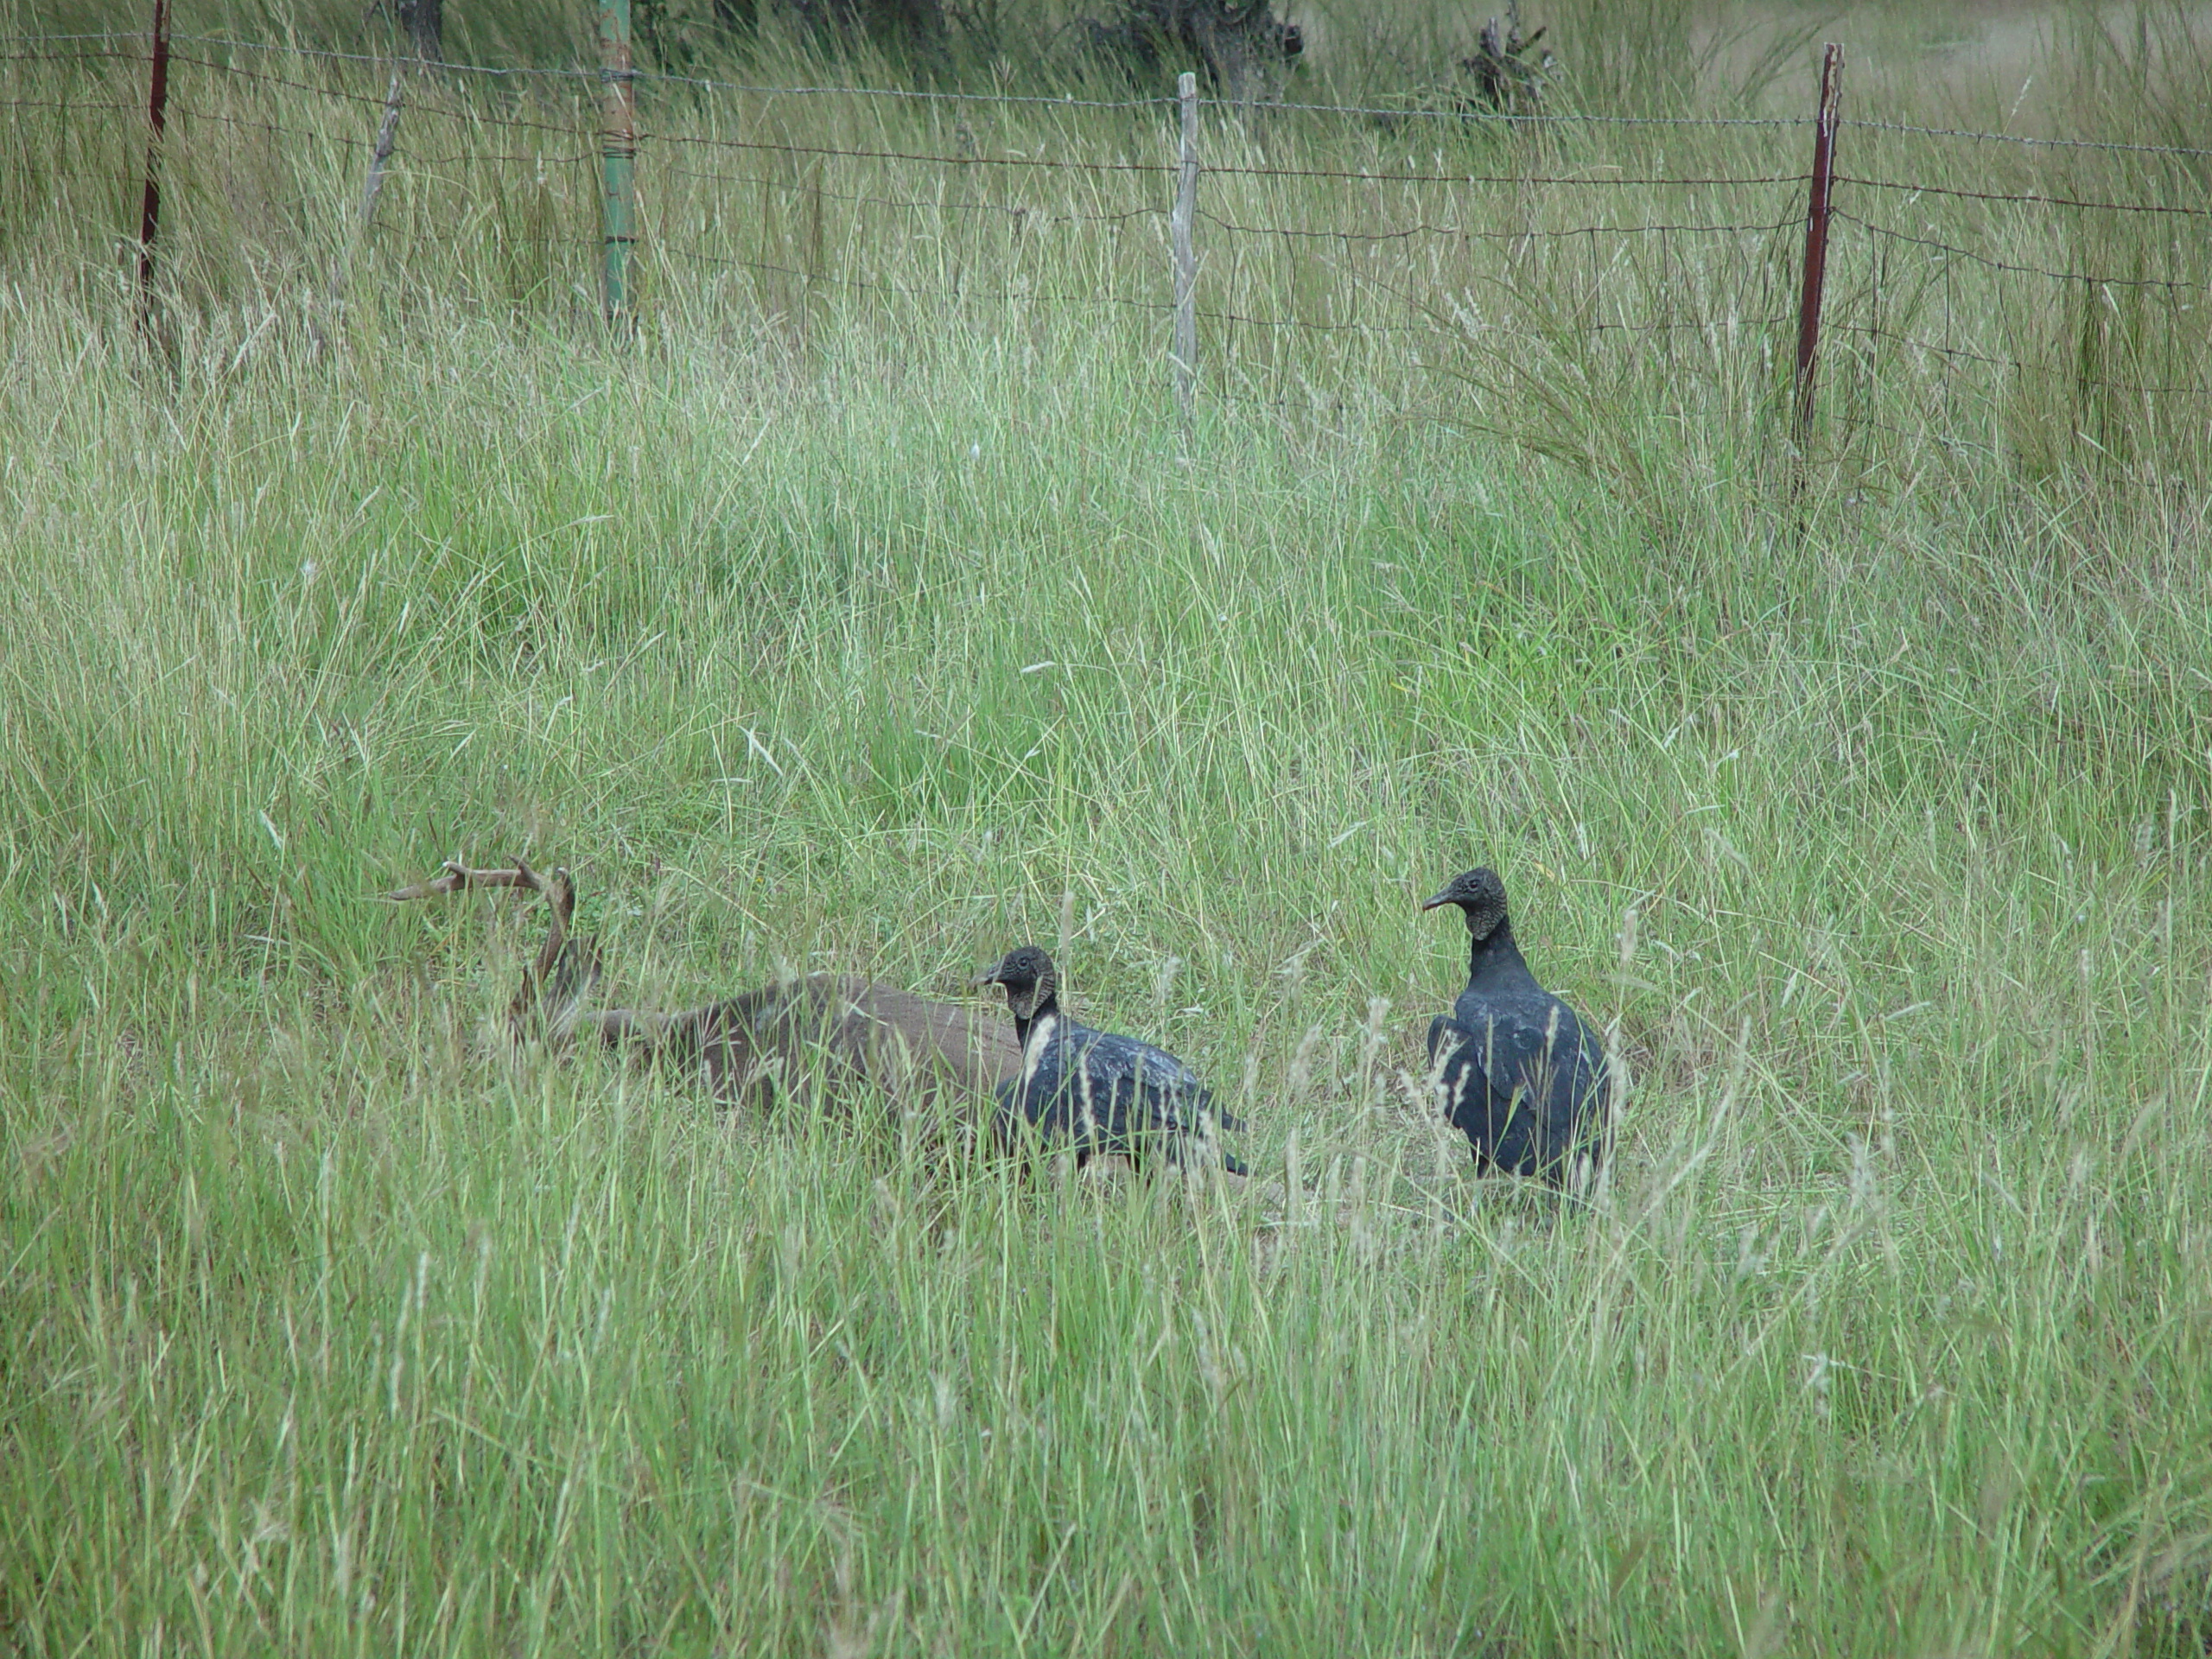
[1112, 1094]
[1522, 1085]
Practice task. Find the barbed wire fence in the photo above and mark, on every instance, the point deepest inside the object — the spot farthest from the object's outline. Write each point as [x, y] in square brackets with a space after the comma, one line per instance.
[1251, 258]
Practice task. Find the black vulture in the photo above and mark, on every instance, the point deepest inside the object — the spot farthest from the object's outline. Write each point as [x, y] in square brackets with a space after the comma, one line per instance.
[1516, 1071]
[1108, 1094]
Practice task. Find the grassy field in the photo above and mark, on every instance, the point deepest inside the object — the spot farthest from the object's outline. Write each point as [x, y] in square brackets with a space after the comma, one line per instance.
[824, 626]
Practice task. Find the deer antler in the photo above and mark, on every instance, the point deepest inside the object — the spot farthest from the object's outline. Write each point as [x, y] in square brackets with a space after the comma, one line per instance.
[578, 973]
[455, 877]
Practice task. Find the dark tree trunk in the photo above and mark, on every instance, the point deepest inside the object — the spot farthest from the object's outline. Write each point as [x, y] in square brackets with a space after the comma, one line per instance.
[909, 22]
[900, 24]
[425, 24]
[1243, 48]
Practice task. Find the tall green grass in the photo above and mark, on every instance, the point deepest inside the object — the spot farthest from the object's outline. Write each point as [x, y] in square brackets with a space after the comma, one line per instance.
[816, 626]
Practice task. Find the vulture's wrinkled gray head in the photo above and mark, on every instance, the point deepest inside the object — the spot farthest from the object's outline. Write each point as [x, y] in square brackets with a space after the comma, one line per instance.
[1480, 894]
[1028, 976]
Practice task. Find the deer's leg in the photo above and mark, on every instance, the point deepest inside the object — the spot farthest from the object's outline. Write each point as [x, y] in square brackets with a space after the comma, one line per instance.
[565, 971]
[558, 983]
[618, 1025]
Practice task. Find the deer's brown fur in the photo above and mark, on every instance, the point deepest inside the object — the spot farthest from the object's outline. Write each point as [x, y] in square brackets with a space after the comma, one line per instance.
[852, 1040]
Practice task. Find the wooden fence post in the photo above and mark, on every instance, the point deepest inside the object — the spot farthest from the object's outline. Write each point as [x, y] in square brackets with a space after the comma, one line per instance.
[1186, 264]
[149, 213]
[320, 321]
[617, 152]
[1816, 244]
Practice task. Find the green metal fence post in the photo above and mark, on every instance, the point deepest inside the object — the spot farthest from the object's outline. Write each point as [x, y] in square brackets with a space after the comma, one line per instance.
[618, 150]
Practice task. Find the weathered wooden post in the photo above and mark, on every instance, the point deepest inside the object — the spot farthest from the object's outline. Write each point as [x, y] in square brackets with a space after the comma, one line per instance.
[1816, 244]
[320, 323]
[617, 152]
[1186, 263]
[149, 213]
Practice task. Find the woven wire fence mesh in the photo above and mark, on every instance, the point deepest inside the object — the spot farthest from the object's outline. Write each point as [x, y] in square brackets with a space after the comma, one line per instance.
[1548, 276]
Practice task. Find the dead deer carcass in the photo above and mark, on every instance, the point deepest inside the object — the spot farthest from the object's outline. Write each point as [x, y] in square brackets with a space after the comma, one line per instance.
[850, 1039]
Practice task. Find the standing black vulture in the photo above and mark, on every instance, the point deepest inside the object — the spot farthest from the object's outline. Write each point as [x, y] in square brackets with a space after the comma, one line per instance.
[1517, 1072]
[1110, 1094]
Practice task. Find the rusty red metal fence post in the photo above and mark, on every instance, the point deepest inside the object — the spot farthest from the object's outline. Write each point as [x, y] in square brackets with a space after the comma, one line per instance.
[1817, 245]
[149, 213]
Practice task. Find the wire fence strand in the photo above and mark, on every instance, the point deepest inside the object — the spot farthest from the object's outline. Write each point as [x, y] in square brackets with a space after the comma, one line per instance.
[1035, 163]
[1989, 262]
[1699, 254]
[2028, 198]
[2016, 365]
[910, 204]
[1966, 135]
[1519, 234]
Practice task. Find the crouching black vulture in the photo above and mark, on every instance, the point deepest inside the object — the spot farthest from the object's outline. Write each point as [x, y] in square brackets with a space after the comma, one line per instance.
[1517, 1072]
[1099, 1092]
